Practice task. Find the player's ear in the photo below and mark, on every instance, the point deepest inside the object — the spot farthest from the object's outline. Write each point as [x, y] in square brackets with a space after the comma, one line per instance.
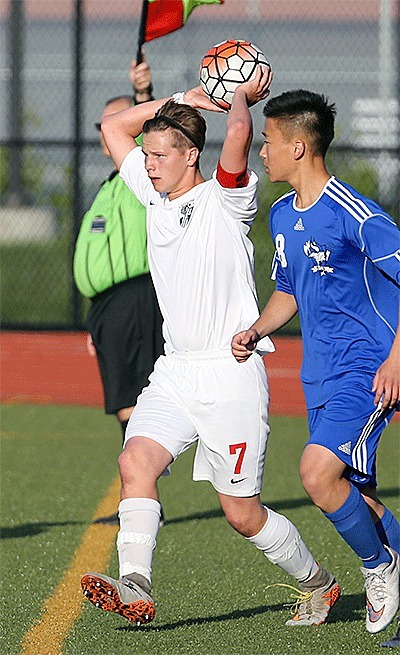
[193, 156]
[299, 149]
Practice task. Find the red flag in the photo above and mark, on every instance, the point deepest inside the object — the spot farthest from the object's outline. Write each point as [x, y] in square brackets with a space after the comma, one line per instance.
[165, 16]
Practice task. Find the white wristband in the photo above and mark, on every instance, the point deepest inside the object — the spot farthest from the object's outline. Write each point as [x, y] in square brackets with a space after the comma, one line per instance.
[178, 98]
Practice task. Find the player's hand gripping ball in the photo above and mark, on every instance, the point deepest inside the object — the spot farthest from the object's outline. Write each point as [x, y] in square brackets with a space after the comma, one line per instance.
[225, 66]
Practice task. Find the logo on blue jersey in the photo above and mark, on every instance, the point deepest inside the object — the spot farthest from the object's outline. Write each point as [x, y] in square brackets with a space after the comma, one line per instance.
[299, 225]
[320, 254]
[186, 212]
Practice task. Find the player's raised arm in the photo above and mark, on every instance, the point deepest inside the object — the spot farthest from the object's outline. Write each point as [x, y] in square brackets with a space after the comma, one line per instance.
[239, 126]
[119, 130]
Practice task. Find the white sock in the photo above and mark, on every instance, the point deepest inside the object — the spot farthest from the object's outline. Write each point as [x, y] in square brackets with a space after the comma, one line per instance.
[281, 542]
[139, 523]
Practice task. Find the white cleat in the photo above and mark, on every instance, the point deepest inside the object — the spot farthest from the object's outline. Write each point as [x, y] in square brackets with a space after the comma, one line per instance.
[382, 593]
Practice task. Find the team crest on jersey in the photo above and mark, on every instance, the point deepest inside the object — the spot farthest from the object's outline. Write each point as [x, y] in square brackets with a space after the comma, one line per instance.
[320, 254]
[186, 212]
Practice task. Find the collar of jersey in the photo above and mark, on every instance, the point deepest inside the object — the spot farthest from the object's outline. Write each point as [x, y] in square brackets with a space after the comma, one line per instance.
[169, 204]
[306, 209]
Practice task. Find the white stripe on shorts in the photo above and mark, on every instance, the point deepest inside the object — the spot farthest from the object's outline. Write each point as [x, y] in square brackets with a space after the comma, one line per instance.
[359, 456]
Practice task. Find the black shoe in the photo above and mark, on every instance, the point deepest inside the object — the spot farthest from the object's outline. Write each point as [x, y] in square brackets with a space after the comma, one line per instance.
[162, 517]
[394, 642]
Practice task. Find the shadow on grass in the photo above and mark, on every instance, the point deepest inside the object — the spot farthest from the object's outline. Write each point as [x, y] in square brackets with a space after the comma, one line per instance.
[32, 529]
[278, 506]
[346, 611]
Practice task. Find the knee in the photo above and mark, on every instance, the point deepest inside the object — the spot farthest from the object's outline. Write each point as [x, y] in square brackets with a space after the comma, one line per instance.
[315, 482]
[133, 464]
[237, 521]
[244, 520]
[322, 476]
[123, 415]
[126, 465]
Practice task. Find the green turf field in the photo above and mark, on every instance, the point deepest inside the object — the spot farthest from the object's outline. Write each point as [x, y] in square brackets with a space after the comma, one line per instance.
[211, 587]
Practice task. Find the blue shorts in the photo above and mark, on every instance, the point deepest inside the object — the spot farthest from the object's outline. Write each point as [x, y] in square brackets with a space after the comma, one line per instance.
[350, 425]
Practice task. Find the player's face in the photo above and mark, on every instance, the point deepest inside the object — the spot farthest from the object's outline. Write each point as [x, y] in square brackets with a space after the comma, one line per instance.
[168, 168]
[277, 153]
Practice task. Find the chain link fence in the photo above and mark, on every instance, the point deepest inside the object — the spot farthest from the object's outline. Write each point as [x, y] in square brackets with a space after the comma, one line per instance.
[60, 60]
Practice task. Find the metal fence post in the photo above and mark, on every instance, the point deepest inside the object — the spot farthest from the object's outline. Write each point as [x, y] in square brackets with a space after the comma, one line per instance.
[16, 41]
[76, 299]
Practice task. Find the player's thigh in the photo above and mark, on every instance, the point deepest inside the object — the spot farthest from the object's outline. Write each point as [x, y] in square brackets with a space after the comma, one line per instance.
[160, 414]
[231, 415]
[320, 467]
[143, 458]
[350, 426]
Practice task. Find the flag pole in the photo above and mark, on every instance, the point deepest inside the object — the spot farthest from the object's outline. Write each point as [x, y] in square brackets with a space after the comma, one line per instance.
[142, 31]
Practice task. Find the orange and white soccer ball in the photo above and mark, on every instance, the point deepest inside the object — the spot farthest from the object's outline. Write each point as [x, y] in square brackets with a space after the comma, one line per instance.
[225, 66]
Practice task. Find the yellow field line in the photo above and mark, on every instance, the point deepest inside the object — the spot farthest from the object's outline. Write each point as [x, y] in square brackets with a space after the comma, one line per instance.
[64, 607]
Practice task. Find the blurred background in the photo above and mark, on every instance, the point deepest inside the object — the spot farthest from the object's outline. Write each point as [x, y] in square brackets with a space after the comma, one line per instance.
[60, 60]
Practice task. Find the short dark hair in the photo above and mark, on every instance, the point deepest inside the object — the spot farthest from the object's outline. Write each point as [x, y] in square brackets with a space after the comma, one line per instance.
[186, 124]
[306, 112]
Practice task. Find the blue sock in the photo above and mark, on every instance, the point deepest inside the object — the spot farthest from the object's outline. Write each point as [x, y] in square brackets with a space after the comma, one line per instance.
[354, 523]
[388, 529]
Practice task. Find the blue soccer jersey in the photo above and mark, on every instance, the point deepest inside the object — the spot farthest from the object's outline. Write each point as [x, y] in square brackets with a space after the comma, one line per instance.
[340, 259]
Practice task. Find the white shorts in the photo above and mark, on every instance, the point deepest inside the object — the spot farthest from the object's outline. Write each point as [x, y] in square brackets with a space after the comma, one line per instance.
[210, 398]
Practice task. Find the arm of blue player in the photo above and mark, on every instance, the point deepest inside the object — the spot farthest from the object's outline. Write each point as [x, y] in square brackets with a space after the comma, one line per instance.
[278, 311]
[387, 378]
[380, 242]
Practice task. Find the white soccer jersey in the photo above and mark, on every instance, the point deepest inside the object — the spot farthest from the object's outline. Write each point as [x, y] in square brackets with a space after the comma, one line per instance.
[201, 259]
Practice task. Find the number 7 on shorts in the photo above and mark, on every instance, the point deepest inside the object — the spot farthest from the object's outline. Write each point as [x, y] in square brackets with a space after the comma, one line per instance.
[241, 448]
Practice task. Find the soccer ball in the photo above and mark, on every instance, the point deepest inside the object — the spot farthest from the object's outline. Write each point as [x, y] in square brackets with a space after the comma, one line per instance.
[225, 66]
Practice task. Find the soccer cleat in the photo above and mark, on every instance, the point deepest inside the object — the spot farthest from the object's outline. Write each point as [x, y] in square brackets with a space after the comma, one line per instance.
[312, 605]
[123, 597]
[382, 593]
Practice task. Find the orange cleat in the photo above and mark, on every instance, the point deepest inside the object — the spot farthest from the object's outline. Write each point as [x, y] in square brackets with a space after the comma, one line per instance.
[123, 597]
